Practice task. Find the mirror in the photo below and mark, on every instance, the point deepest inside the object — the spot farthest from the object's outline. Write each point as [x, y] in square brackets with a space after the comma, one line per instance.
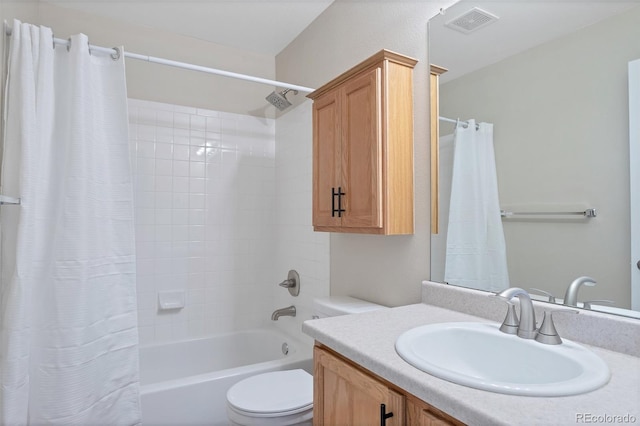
[553, 78]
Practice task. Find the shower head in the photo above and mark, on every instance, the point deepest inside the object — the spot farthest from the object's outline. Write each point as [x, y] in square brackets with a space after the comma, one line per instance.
[279, 100]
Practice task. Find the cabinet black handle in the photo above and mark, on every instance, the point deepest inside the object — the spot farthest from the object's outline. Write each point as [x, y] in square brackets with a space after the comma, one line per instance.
[333, 202]
[340, 194]
[384, 415]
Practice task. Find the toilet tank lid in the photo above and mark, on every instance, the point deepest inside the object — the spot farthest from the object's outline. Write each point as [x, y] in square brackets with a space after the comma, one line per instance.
[343, 305]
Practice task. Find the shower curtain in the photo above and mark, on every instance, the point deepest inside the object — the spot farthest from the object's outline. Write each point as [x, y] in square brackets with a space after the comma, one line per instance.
[69, 350]
[476, 249]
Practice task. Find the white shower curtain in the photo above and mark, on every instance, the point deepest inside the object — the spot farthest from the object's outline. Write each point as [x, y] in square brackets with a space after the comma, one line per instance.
[476, 249]
[69, 349]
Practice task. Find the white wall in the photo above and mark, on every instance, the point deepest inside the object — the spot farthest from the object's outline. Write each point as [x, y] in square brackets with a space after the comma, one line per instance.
[25, 11]
[561, 137]
[383, 269]
[161, 83]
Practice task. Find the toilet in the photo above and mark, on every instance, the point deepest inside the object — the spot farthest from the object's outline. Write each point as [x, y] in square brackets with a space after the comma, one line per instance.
[280, 398]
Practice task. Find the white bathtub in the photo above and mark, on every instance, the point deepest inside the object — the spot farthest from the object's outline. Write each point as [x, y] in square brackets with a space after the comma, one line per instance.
[185, 383]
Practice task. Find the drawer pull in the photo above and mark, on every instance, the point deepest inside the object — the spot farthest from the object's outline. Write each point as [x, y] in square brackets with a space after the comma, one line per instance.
[384, 415]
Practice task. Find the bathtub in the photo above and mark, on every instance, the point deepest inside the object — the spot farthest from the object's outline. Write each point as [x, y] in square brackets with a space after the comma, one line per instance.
[185, 383]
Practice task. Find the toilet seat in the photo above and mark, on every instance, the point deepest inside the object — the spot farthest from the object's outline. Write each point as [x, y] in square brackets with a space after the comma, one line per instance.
[274, 394]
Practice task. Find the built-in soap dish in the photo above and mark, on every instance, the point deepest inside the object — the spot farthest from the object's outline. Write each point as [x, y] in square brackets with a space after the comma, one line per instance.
[170, 300]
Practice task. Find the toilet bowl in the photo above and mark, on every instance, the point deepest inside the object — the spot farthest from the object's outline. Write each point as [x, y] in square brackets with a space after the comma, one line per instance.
[283, 398]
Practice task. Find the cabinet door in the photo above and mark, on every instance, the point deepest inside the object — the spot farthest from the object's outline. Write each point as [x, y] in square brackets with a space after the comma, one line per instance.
[326, 159]
[345, 395]
[361, 121]
[419, 413]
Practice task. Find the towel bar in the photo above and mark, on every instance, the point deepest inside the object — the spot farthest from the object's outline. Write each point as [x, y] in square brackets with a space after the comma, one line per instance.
[9, 200]
[588, 213]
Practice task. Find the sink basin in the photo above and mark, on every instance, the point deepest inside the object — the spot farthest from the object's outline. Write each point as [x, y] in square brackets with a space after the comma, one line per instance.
[480, 356]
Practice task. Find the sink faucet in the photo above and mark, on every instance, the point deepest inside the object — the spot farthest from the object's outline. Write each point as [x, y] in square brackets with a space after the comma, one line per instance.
[284, 312]
[527, 324]
[571, 296]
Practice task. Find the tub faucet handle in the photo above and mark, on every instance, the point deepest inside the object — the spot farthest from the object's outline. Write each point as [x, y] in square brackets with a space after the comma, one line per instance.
[292, 283]
[287, 283]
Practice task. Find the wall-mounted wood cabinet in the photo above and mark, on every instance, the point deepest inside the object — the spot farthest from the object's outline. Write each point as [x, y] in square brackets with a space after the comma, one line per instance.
[346, 394]
[363, 148]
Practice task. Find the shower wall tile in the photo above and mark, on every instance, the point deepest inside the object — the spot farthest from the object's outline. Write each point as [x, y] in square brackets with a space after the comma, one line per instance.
[299, 247]
[205, 201]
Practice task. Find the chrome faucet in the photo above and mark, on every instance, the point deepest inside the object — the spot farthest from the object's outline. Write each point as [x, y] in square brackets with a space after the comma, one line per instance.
[284, 312]
[527, 324]
[571, 296]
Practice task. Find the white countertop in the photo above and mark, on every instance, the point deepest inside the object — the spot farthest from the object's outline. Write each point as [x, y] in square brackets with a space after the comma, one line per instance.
[369, 338]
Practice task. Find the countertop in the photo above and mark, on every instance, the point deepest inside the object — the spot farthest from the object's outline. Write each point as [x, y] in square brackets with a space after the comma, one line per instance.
[369, 338]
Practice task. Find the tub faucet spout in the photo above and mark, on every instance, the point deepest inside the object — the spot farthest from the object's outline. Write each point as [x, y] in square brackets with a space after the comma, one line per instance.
[284, 312]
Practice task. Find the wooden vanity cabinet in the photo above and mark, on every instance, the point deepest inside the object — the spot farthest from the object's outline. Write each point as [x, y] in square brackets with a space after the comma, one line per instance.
[419, 413]
[363, 148]
[346, 394]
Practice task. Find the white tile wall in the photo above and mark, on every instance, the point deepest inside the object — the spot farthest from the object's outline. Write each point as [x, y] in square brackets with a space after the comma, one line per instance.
[205, 200]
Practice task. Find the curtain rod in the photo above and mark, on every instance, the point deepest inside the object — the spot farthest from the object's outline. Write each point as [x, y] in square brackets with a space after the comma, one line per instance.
[114, 52]
[464, 123]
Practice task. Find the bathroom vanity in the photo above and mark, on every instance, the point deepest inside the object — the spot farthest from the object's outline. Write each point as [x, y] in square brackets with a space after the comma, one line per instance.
[344, 390]
[357, 369]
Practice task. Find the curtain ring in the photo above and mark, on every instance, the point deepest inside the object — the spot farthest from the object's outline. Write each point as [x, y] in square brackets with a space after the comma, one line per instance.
[89, 47]
[116, 56]
[53, 40]
[69, 44]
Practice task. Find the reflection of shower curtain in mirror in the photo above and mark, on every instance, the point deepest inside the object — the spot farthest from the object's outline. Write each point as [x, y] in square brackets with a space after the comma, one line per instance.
[476, 250]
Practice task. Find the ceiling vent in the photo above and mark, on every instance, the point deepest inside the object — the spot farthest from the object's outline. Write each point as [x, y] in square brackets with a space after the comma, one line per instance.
[472, 20]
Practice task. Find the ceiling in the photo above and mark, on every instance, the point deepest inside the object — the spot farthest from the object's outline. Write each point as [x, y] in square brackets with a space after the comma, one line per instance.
[522, 24]
[268, 26]
[262, 26]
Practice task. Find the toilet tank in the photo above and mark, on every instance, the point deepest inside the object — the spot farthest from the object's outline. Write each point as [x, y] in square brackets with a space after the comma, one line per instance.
[342, 305]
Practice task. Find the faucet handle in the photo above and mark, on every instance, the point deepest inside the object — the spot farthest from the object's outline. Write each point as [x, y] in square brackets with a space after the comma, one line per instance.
[288, 283]
[510, 323]
[547, 332]
[292, 283]
[551, 297]
[587, 304]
